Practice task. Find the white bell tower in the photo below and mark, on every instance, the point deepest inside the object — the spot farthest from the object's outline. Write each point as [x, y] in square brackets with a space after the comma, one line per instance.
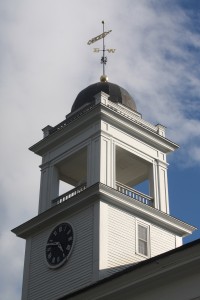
[116, 212]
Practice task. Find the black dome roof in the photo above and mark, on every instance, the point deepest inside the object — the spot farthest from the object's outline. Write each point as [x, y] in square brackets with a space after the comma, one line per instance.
[115, 92]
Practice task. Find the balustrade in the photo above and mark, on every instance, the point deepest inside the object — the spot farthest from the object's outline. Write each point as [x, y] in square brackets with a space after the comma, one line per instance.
[126, 190]
[134, 194]
[69, 194]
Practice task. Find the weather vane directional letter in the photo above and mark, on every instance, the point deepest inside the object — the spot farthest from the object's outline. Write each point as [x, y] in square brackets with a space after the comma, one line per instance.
[103, 58]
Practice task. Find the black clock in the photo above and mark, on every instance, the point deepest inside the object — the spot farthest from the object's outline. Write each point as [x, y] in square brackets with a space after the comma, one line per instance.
[59, 245]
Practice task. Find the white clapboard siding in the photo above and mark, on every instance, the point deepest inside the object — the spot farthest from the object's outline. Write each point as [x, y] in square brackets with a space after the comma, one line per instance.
[121, 251]
[121, 241]
[50, 284]
[161, 240]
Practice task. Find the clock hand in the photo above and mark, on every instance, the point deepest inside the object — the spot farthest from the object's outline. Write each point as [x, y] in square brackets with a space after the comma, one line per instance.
[56, 244]
[60, 247]
[53, 244]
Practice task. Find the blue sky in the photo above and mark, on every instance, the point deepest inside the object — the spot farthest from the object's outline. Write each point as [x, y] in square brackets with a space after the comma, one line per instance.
[45, 62]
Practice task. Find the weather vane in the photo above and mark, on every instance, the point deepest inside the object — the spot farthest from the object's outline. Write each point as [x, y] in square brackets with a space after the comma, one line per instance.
[103, 78]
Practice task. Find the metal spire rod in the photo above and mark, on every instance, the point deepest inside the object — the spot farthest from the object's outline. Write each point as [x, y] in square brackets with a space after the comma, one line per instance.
[103, 58]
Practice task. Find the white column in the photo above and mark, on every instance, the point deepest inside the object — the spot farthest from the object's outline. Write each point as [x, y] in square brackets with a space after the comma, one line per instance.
[105, 161]
[49, 187]
[43, 189]
[93, 161]
[113, 164]
[53, 184]
[159, 186]
[153, 182]
[163, 187]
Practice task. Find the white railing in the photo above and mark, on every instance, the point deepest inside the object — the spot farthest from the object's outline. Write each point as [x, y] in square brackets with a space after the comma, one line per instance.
[69, 194]
[122, 188]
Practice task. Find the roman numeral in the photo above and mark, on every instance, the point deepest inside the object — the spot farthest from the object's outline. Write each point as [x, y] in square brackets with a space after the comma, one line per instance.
[53, 260]
[68, 247]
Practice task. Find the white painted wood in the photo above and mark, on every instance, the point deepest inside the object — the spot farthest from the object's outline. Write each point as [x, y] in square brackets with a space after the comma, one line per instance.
[121, 239]
[127, 141]
[161, 240]
[113, 163]
[118, 229]
[101, 98]
[154, 184]
[101, 137]
[43, 189]
[26, 272]
[179, 241]
[163, 187]
[95, 161]
[73, 142]
[45, 283]
[105, 161]
[103, 240]
[53, 187]
[161, 129]
[49, 187]
[89, 164]
[106, 232]
[96, 241]
[100, 233]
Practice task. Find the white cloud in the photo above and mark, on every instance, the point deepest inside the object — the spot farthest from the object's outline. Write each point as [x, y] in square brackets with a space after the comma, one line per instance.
[45, 62]
[11, 273]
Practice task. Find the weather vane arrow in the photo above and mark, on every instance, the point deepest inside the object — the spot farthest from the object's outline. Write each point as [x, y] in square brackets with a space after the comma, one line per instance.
[103, 58]
[98, 37]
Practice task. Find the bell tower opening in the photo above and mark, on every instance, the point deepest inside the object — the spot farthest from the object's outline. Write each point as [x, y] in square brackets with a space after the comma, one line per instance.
[133, 176]
[72, 172]
[143, 187]
[64, 187]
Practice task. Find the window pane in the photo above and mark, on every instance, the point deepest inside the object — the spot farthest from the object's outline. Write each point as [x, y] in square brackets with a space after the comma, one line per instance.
[143, 240]
[142, 247]
[142, 233]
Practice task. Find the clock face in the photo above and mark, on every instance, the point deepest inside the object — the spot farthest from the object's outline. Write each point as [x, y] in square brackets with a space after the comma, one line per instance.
[59, 245]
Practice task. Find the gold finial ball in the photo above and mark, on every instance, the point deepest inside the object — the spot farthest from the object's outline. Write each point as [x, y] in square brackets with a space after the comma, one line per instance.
[104, 78]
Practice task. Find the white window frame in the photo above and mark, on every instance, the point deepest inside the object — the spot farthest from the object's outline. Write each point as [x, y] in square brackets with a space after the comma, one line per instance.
[147, 226]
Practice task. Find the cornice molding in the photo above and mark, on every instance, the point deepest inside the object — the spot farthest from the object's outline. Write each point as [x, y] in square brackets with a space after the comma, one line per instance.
[98, 112]
[101, 192]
